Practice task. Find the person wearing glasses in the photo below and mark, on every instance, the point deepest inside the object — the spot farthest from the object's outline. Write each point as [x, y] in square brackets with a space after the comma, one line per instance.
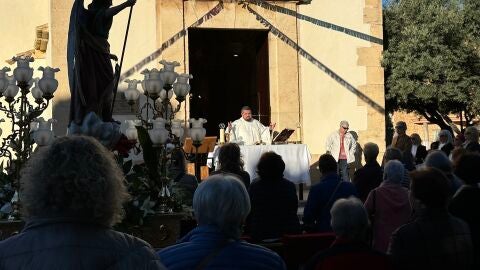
[401, 140]
[341, 145]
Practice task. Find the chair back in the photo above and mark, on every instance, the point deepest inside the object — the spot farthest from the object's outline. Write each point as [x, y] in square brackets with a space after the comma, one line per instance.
[299, 248]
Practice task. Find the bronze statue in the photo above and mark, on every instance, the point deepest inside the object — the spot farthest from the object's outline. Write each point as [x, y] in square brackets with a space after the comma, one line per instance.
[91, 76]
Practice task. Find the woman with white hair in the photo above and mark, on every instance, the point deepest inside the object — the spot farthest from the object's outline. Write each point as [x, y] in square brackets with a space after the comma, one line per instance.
[221, 205]
[72, 193]
[349, 250]
[444, 142]
[388, 205]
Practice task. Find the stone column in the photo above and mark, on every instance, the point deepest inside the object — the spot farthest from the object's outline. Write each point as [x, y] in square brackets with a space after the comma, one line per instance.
[59, 20]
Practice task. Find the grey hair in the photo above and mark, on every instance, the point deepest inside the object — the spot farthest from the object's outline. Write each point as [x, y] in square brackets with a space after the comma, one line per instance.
[75, 177]
[222, 200]
[370, 151]
[471, 134]
[447, 133]
[439, 160]
[393, 172]
[344, 123]
[349, 219]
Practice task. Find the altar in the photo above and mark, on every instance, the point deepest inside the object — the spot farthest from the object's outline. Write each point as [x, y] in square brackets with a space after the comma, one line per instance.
[296, 157]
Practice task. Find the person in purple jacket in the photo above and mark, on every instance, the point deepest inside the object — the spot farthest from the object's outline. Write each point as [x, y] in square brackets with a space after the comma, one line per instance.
[388, 205]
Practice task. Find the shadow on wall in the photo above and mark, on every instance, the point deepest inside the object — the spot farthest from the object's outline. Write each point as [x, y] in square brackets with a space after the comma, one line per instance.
[61, 113]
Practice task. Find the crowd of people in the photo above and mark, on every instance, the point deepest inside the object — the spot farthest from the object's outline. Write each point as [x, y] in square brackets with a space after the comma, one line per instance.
[415, 210]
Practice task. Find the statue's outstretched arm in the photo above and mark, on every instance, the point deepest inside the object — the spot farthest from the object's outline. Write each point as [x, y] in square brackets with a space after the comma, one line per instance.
[116, 9]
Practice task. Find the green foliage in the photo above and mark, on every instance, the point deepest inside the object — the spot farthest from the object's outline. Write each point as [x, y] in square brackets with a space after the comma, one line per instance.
[144, 184]
[7, 192]
[431, 59]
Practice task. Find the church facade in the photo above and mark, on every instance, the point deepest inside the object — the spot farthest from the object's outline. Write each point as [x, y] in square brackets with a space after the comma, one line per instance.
[314, 64]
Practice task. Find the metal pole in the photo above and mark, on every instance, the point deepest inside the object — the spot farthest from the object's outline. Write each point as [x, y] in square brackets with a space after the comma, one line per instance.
[117, 75]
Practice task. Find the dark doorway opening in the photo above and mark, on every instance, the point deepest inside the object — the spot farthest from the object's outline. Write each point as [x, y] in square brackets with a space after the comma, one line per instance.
[230, 70]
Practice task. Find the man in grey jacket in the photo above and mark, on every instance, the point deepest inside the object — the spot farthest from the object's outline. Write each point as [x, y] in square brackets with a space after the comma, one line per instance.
[341, 145]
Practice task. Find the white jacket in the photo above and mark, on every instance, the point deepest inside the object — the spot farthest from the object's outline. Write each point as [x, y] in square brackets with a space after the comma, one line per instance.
[349, 144]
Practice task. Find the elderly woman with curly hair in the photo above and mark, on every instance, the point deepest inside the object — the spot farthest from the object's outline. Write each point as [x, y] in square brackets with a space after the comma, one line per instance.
[72, 193]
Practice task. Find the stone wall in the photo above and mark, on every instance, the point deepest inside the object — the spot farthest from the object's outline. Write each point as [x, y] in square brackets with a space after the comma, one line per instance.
[324, 101]
[300, 93]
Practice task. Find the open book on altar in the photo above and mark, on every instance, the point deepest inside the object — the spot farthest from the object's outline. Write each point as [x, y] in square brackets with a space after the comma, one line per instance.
[283, 136]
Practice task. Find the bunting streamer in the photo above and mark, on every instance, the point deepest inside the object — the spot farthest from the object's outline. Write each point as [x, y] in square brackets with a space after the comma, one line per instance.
[324, 24]
[314, 61]
[210, 14]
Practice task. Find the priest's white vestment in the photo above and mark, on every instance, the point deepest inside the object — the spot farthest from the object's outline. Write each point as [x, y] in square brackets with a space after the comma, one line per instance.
[249, 132]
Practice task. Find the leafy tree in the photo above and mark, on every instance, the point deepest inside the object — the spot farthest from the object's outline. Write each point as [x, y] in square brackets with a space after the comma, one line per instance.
[431, 58]
[471, 12]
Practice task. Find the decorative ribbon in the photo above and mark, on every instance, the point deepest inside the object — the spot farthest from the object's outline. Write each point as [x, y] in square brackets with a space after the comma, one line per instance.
[324, 24]
[210, 14]
[314, 61]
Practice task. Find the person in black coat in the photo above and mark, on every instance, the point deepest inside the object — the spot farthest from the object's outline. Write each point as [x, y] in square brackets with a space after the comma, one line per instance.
[419, 151]
[273, 200]
[464, 201]
[369, 176]
[444, 142]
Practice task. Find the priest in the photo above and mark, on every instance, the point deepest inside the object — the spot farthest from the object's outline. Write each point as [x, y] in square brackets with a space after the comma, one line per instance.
[249, 131]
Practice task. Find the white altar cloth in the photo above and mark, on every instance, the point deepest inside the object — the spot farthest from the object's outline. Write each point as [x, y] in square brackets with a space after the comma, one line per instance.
[296, 158]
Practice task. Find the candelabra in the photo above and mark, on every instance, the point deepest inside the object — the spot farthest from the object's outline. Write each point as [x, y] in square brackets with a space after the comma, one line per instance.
[25, 126]
[21, 114]
[157, 130]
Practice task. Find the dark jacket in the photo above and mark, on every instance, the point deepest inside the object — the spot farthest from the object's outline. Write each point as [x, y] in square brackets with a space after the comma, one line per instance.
[473, 147]
[347, 255]
[435, 240]
[447, 148]
[367, 178]
[72, 244]
[274, 206]
[203, 240]
[316, 215]
[463, 205]
[243, 175]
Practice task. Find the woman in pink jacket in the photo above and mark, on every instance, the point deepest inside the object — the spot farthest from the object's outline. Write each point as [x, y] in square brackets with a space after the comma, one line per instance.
[388, 205]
